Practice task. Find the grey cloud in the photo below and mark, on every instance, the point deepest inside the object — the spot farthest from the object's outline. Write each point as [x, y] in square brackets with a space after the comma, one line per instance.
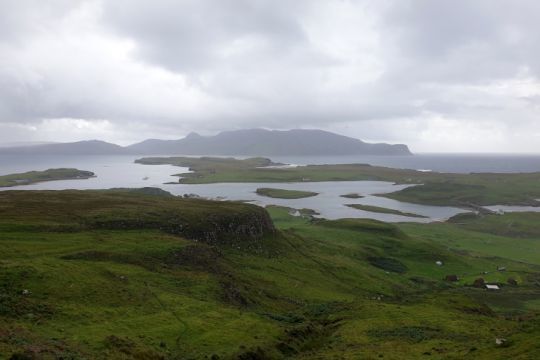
[22, 18]
[176, 66]
[192, 35]
[464, 41]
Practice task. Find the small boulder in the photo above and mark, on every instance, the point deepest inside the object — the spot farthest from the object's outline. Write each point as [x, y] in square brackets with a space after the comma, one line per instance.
[511, 281]
[479, 283]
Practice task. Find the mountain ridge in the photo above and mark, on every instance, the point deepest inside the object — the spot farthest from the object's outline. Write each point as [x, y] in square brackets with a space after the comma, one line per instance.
[253, 142]
[260, 142]
[85, 147]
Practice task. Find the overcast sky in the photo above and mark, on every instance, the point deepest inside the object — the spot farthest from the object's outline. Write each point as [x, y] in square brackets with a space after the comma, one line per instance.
[439, 75]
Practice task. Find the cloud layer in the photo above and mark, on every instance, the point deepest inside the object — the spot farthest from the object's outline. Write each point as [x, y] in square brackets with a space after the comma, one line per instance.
[438, 75]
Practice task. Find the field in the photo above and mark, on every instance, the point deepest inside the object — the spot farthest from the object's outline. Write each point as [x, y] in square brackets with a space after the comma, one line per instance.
[285, 194]
[378, 209]
[142, 275]
[462, 190]
[33, 177]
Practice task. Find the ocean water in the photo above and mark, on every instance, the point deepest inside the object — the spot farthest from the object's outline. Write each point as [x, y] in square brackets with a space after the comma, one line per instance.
[121, 171]
[454, 163]
[457, 163]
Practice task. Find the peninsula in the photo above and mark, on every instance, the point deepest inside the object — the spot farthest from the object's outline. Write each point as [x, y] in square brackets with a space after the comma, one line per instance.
[32, 177]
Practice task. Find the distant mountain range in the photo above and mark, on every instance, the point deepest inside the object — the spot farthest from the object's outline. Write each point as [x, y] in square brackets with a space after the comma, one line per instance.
[253, 142]
[90, 147]
[24, 143]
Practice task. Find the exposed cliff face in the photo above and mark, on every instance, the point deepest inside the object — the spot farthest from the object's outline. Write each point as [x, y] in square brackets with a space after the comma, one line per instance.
[231, 228]
[213, 228]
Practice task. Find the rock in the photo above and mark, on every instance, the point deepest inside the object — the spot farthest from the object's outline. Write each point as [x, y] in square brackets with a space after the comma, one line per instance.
[479, 283]
[511, 281]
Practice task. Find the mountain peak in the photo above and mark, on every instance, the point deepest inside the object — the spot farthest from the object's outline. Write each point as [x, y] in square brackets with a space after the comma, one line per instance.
[193, 135]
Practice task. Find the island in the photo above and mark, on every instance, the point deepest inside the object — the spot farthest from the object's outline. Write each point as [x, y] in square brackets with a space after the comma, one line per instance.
[285, 194]
[253, 142]
[427, 188]
[310, 142]
[382, 210]
[352, 196]
[32, 177]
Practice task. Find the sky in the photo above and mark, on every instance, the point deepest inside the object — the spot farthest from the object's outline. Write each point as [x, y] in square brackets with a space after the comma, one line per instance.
[438, 75]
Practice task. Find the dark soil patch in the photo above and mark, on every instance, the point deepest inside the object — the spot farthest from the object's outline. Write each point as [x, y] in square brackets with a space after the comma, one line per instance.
[16, 301]
[257, 354]
[413, 334]
[481, 309]
[130, 349]
[200, 257]
[147, 261]
[388, 264]
[307, 337]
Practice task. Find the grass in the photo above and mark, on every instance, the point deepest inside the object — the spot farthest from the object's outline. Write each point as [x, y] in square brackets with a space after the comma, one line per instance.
[475, 189]
[510, 236]
[285, 194]
[378, 209]
[32, 177]
[206, 221]
[131, 274]
[430, 188]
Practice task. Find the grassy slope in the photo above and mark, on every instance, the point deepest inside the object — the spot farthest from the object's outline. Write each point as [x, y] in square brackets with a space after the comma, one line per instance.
[33, 177]
[312, 290]
[378, 209]
[438, 188]
[285, 194]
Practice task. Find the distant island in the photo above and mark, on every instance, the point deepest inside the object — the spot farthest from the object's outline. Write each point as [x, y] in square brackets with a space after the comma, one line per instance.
[382, 210]
[259, 142]
[252, 142]
[32, 177]
[427, 188]
[285, 194]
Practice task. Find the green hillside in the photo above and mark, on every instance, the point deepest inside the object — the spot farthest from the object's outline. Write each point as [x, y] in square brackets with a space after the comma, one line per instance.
[135, 275]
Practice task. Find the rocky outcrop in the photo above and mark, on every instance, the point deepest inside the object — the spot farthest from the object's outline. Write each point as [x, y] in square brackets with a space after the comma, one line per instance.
[237, 228]
[211, 222]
